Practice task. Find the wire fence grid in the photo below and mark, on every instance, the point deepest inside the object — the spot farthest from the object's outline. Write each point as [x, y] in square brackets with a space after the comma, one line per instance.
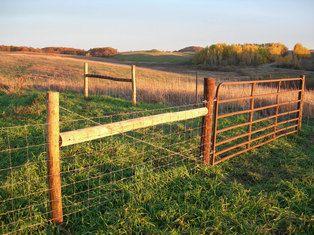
[100, 172]
[94, 173]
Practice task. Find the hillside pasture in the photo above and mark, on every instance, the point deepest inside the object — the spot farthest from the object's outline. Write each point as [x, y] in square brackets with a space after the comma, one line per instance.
[34, 71]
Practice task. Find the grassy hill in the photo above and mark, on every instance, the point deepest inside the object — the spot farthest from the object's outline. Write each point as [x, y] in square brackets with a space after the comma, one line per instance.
[169, 85]
[155, 57]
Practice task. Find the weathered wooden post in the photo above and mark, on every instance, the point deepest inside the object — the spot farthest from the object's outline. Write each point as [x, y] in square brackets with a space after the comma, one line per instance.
[53, 159]
[85, 80]
[206, 140]
[300, 103]
[133, 85]
[196, 87]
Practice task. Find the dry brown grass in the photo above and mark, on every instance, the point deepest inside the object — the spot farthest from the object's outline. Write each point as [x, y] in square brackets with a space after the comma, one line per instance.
[35, 71]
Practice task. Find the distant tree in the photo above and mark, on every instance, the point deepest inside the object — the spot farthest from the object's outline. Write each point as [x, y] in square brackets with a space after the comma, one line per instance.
[153, 51]
[63, 50]
[103, 51]
[277, 49]
[19, 48]
[286, 61]
[263, 55]
[240, 54]
[299, 52]
[5, 48]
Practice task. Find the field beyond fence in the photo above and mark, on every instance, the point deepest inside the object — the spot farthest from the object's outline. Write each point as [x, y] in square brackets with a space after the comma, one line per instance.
[41, 72]
[105, 157]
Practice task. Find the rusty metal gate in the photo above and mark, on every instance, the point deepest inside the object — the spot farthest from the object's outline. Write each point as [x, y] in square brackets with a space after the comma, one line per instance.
[255, 124]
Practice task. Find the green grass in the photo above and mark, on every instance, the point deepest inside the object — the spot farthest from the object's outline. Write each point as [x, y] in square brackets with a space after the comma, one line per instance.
[135, 188]
[155, 57]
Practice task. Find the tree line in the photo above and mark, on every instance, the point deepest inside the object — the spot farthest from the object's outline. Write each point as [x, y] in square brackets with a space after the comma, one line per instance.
[98, 52]
[222, 54]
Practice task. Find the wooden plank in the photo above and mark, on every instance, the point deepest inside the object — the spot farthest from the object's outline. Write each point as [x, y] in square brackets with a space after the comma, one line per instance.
[108, 78]
[101, 131]
[53, 159]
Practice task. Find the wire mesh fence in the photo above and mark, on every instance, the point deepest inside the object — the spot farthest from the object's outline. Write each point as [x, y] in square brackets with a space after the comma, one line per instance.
[23, 192]
[99, 173]
[95, 173]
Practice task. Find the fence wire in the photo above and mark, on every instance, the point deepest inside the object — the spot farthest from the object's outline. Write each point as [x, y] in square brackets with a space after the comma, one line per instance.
[102, 173]
[96, 173]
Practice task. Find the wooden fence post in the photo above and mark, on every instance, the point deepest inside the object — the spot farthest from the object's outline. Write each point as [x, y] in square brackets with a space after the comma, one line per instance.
[53, 160]
[206, 141]
[85, 80]
[300, 103]
[196, 87]
[133, 85]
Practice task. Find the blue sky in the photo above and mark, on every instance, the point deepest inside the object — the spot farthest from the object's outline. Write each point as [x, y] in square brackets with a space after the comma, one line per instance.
[147, 24]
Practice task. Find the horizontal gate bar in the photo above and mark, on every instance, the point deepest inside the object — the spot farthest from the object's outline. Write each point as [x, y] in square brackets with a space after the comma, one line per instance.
[97, 132]
[254, 96]
[261, 81]
[256, 121]
[257, 109]
[255, 146]
[255, 131]
[260, 137]
[108, 77]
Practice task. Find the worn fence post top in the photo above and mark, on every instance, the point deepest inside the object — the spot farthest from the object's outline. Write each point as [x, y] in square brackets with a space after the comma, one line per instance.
[53, 94]
[210, 80]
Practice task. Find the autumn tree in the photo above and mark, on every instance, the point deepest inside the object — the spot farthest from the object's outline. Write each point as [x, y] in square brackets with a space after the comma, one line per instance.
[103, 51]
[299, 52]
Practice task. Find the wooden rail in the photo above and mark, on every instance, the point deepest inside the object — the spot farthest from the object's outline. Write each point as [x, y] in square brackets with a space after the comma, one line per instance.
[101, 131]
[108, 77]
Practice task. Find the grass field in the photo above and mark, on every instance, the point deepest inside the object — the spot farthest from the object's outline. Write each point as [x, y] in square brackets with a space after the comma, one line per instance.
[41, 72]
[132, 183]
[268, 190]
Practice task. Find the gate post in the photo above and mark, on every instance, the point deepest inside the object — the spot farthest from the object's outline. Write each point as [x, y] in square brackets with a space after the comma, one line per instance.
[85, 80]
[133, 85]
[206, 138]
[53, 157]
[196, 87]
[300, 103]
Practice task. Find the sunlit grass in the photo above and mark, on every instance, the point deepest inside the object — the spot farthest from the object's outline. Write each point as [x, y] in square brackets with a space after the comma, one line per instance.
[268, 190]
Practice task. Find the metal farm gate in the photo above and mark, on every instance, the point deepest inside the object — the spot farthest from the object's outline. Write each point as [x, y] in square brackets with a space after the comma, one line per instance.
[255, 124]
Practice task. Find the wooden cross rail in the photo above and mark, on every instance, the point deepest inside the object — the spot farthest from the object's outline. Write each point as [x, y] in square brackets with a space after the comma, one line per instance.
[132, 80]
[108, 77]
[101, 131]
